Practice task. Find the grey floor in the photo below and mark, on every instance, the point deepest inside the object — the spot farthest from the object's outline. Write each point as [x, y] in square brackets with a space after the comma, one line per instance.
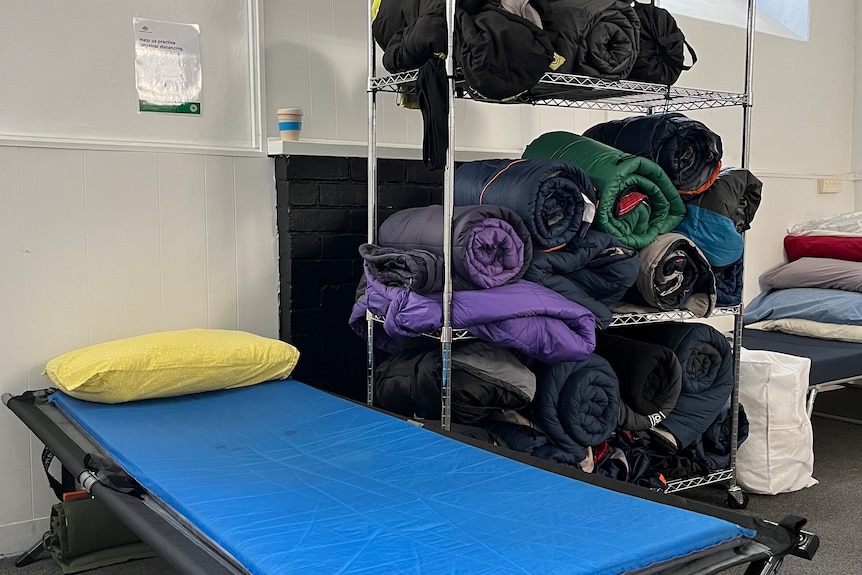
[833, 508]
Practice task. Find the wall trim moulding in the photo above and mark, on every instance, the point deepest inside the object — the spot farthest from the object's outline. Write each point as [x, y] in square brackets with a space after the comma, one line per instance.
[126, 146]
[359, 149]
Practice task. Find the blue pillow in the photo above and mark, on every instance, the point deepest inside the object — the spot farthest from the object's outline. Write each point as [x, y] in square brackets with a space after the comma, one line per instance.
[816, 304]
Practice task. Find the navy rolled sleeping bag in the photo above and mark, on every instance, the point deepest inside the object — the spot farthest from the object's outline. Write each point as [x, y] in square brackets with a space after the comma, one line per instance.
[556, 199]
[707, 374]
[688, 151]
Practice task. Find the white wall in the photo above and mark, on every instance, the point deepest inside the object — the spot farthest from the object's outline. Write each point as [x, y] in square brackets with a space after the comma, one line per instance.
[857, 112]
[90, 96]
[105, 241]
[316, 58]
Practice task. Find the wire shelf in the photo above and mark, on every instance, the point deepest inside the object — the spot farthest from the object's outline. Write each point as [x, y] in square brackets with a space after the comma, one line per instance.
[692, 482]
[457, 334]
[567, 90]
[674, 315]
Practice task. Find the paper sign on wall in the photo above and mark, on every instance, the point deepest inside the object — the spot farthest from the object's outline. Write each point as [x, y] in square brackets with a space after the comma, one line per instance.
[167, 66]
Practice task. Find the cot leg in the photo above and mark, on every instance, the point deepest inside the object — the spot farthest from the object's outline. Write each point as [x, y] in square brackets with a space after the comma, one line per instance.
[767, 567]
[811, 396]
[31, 554]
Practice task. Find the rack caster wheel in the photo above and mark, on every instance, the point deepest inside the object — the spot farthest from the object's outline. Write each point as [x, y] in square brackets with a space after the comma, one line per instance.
[737, 499]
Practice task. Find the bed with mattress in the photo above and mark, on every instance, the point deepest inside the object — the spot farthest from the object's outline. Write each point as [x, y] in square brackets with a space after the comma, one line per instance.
[281, 477]
[834, 363]
[811, 305]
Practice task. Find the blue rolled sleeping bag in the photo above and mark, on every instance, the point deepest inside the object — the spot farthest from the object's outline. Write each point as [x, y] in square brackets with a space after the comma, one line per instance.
[556, 199]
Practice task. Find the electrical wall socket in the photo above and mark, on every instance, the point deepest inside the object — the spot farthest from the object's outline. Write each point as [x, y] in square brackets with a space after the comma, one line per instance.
[829, 186]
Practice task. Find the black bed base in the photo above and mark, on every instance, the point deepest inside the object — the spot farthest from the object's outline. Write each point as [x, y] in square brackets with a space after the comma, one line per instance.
[834, 364]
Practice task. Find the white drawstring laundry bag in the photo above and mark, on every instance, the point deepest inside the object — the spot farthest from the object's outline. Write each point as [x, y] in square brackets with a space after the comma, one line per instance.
[778, 456]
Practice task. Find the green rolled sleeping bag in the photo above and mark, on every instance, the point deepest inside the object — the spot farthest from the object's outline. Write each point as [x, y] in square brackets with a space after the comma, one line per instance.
[637, 200]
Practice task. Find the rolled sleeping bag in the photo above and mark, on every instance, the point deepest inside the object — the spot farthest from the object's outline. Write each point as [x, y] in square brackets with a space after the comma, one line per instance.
[491, 246]
[576, 403]
[735, 194]
[650, 378]
[485, 379]
[598, 38]
[594, 271]
[688, 151]
[523, 316]
[419, 270]
[661, 58]
[555, 199]
[637, 201]
[728, 284]
[674, 275]
[707, 374]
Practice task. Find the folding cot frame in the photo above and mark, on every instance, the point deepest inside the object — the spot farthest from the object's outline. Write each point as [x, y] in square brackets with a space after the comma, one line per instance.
[834, 364]
[189, 551]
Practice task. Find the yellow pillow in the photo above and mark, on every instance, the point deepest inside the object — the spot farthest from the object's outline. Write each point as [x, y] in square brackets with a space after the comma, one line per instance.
[170, 363]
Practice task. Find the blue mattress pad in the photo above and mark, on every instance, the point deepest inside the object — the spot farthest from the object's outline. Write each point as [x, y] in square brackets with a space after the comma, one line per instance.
[290, 479]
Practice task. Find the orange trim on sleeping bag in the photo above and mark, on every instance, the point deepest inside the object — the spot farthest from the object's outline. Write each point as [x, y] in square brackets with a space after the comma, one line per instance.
[491, 181]
[704, 187]
[482, 195]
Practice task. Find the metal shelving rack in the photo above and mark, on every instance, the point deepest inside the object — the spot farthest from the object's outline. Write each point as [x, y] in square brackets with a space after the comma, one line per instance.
[572, 91]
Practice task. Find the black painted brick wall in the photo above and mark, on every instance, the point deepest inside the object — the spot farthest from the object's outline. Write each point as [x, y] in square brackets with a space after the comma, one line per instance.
[322, 220]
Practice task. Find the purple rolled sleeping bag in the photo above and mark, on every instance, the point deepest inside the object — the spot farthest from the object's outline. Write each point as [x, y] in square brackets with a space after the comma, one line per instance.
[491, 246]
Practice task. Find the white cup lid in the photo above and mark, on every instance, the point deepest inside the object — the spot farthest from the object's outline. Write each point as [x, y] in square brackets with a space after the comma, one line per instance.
[296, 111]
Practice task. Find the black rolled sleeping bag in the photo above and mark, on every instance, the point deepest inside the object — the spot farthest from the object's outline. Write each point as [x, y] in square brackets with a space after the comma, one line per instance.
[576, 403]
[410, 32]
[485, 379]
[598, 38]
[661, 58]
[650, 379]
[420, 270]
[688, 151]
[501, 54]
[491, 246]
[555, 199]
[707, 374]
[594, 271]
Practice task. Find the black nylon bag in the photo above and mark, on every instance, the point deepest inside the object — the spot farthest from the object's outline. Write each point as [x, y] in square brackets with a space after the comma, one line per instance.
[661, 59]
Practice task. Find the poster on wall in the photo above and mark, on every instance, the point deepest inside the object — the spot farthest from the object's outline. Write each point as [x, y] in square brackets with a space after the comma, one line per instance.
[167, 66]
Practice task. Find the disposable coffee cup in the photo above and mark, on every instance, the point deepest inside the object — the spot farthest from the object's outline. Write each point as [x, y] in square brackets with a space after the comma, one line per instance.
[290, 123]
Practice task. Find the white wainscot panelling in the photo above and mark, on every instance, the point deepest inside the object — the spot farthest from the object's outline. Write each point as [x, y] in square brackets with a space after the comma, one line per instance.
[16, 538]
[123, 244]
[183, 245]
[13, 368]
[257, 247]
[14, 439]
[55, 243]
[221, 243]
